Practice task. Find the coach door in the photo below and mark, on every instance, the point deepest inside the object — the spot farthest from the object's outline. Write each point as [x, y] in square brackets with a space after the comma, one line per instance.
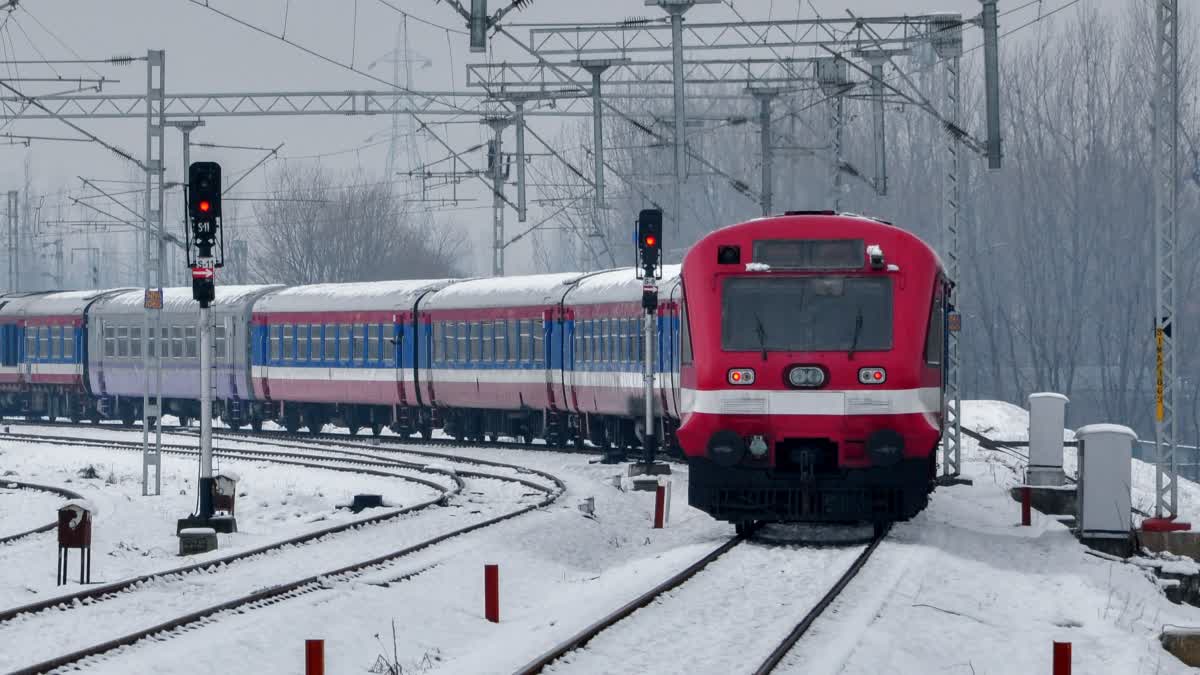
[544, 340]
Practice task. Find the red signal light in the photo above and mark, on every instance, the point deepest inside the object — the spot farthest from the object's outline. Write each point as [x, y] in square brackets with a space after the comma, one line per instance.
[204, 206]
[651, 240]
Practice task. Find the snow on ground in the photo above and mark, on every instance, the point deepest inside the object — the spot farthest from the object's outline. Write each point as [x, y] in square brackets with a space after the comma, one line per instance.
[23, 510]
[959, 589]
[1004, 421]
[135, 534]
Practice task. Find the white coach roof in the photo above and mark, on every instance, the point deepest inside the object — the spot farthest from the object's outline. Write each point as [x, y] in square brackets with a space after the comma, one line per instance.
[355, 297]
[518, 291]
[620, 285]
[177, 300]
[55, 304]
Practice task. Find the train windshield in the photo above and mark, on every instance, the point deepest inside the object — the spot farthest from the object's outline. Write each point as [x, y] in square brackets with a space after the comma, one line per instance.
[807, 314]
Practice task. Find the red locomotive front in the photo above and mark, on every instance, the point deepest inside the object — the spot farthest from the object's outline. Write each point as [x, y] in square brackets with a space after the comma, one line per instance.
[811, 375]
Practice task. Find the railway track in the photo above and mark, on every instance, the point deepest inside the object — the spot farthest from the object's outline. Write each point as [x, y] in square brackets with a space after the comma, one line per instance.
[562, 653]
[324, 458]
[63, 492]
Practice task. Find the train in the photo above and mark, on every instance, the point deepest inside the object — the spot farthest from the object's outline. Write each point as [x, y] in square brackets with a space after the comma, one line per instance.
[797, 366]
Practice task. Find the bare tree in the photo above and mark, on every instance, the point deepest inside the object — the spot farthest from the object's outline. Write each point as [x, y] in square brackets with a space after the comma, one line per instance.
[315, 229]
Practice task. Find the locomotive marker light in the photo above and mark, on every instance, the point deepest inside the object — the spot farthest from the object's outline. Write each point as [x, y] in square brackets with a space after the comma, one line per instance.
[204, 216]
[649, 246]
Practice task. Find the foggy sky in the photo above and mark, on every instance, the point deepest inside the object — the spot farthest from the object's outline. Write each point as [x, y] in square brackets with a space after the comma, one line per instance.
[206, 52]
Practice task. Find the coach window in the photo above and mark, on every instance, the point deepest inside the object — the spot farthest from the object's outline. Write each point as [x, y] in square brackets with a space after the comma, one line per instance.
[935, 334]
[487, 337]
[56, 342]
[191, 349]
[580, 341]
[461, 339]
[69, 342]
[360, 342]
[631, 338]
[594, 338]
[288, 344]
[122, 341]
[135, 341]
[501, 340]
[219, 340]
[514, 340]
[329, 339]
[344, 344]
[276, 334]
[685, 334]
[30, 343]
[374, 349]
[539, 341]
[439, 346]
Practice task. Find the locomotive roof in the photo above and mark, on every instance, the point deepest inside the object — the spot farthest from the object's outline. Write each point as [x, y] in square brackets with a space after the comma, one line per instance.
[177, 299]
[518, 291]
[811, 226]
[619, 285]
[54, 303]
[362, 296]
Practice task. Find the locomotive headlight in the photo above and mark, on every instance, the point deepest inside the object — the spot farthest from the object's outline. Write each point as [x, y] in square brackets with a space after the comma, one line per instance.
[806, 376]
[872, 375]
[740, 376]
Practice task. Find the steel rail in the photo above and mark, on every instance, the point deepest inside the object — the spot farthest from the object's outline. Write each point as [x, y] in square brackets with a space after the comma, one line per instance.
[815, 613]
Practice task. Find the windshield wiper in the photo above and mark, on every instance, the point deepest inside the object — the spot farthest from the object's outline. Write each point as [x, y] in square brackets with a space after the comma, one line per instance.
[858, 322]
[762, 335]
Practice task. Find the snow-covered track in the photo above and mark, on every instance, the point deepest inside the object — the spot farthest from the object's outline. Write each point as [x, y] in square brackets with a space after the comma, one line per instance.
[583, 637]
[790, 640]
[277, 593]
[326, 455]
[40, 488]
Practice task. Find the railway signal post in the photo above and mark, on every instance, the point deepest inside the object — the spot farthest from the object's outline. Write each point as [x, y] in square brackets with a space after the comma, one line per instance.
[204, 216]
[649, 269]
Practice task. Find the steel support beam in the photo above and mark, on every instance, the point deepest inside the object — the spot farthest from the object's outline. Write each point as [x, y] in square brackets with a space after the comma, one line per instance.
[14, 242]
[765, 141]
[947, 44]
[878, 122]
[155, 251]
[650, 36]
[497, 125]
[1166, 202]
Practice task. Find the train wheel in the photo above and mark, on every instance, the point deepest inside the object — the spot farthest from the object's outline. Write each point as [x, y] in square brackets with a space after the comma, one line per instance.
[745, 529]
[256, 424]
[426, 432]
[376, 428]
[184, 421]
[353, 429]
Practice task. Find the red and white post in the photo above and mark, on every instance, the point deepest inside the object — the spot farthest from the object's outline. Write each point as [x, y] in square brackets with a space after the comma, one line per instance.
[314, 657]
[1026, 506]
[491, 593]
[1062, 658]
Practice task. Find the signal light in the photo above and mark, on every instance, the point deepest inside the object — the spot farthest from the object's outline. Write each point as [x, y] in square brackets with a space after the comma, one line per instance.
[204, 191]
[649, 231]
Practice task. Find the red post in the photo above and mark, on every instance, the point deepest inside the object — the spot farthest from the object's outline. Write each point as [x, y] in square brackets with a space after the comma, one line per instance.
[660, 505]
[1062, 658]
[491, 593]
[314, 657]
[1026, 505]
